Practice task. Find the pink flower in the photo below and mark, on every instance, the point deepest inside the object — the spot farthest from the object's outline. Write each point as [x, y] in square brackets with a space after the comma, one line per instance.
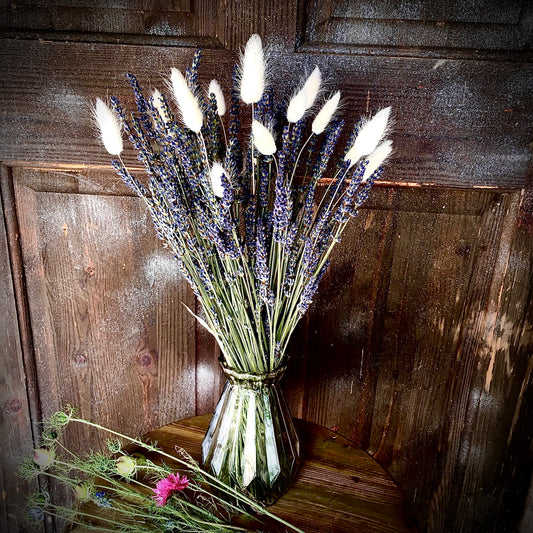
[165, 487]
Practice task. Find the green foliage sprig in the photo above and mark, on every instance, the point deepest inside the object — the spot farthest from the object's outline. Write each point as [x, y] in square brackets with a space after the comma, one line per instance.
[132, 492]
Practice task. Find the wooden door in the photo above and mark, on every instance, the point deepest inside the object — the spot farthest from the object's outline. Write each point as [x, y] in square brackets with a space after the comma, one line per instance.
[418, 345]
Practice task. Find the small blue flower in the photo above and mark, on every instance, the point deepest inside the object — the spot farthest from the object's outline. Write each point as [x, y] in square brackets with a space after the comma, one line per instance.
[102, 500]
[170, 525]
[45, 494]
[36, 513]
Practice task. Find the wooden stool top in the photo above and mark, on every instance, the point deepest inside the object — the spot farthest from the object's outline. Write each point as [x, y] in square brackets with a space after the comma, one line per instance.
[339, 487]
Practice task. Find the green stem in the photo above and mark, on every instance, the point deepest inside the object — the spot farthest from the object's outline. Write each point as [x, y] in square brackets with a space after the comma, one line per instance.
[213, 479]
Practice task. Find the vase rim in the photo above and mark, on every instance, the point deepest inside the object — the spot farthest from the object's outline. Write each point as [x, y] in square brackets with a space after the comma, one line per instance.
[252, 376]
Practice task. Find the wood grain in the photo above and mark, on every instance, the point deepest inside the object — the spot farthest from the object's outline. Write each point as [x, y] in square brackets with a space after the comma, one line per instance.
[178, 23]
[105, 300]
[339, 488]
[15, 420]
[274, 21]
[414, 28]
[389, 353]
[460, 123]
[503, 405]
[399, 340]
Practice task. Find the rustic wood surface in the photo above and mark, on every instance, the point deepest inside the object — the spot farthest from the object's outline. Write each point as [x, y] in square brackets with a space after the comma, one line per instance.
[418, 346]
[444, 129]
[444, 29]
[15, 421]
[339, 488]
[99, 309]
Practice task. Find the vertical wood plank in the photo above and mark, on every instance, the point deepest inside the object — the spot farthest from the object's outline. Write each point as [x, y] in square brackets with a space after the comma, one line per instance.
[15, 417]
[503, 406]
[111, 335]
[396, 338]
[275, 22]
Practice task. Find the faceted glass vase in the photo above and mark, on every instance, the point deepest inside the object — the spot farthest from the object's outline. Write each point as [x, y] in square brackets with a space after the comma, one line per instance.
[251, 443]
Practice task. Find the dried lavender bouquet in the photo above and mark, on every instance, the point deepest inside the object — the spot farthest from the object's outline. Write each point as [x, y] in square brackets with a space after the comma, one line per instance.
[245, 230]
[249, 232]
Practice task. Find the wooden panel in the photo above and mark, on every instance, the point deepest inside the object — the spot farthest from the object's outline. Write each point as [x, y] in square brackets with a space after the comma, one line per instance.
[408, 350]
[458, 123]
[509, 381]
[15, 424]
[418, 27]
[111, 335]
[273, 20]
[176, 23]
[482, 11]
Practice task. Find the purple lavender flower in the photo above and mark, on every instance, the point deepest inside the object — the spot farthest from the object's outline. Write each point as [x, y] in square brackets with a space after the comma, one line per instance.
[144, 107]
[262, 272]
[235, 230]
[261, 261]
[191, 75]
[310, 290]
[263, 186]
[296, 139]
[332, 136]
[282, 212]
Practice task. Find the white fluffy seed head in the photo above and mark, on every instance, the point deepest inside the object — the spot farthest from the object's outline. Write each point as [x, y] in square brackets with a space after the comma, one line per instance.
[305, 97]
[214, 88]
[296, 108]
[217, 170]
[252, 71]
[312, 86]
[369, 136]
[377, 158]
[263, 139]
[325, 115]
[190, 111]
[109, 126]
[157, 102]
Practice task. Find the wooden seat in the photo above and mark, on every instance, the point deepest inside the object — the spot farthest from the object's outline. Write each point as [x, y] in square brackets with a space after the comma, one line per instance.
[339, 487]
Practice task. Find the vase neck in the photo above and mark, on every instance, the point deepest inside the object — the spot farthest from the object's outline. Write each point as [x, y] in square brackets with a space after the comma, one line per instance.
[252, 380]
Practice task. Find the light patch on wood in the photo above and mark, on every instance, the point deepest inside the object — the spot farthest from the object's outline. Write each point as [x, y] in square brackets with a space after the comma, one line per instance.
[160, 268]
[440, 325]
[439, 63]
[403, 184]
[369, 219]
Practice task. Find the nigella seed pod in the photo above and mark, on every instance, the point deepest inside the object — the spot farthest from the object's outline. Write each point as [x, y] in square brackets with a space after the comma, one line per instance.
[43, 457]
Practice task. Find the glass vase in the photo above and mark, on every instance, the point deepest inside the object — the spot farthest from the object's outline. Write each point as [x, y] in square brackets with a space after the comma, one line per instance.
[251, 443]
